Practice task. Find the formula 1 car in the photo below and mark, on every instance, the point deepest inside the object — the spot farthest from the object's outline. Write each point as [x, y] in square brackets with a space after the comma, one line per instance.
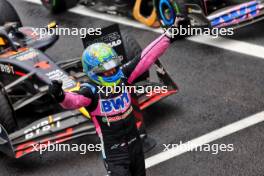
[141, 10]
[211, 13]
[25, 73]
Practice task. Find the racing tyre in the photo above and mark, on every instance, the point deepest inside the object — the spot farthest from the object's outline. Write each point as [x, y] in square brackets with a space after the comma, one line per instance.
[57, 6]
[133, 49]
[6, 114]
[167, 10]
[8, 13]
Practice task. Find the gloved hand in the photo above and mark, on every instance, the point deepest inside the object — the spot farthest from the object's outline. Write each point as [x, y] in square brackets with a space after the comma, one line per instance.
[173, 32]
[55, 89]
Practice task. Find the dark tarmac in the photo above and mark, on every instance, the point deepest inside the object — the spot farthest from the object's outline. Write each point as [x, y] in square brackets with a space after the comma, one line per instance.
[217, 87]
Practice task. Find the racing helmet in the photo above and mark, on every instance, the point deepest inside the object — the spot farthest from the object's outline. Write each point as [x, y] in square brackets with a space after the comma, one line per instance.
[99, 59]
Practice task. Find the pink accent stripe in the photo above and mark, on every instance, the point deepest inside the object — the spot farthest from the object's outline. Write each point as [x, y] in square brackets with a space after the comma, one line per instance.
[75, 101]
[150, 54]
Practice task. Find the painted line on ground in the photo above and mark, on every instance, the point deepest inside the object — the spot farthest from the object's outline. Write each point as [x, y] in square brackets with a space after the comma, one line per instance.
[205, 139]
[220, 42]
[231, 45]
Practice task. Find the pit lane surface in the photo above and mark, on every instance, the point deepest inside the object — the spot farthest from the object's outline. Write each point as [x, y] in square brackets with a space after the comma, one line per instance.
[217, 87]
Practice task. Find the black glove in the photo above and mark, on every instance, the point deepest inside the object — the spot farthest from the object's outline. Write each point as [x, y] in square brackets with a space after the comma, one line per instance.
[173, 31]
[55, 89]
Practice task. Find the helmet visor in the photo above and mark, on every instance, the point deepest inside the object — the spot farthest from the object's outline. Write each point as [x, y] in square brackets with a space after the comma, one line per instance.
[108, 65]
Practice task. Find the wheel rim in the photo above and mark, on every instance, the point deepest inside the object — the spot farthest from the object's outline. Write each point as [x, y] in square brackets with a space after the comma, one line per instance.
[167, 13]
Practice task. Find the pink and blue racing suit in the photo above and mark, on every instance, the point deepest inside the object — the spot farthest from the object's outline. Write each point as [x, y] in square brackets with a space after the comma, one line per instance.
[113, 116]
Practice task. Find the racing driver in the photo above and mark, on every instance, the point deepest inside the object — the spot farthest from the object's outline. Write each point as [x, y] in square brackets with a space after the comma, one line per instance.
[112, 114]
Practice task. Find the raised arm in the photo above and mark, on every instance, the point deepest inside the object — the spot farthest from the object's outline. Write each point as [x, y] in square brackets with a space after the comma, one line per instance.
[149, 55]
[140, 64]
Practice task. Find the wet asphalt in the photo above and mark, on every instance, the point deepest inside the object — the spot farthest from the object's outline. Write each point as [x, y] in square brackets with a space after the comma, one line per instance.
[217, 87]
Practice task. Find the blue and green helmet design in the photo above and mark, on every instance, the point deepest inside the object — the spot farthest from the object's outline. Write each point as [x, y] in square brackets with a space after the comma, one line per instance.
[98, 58]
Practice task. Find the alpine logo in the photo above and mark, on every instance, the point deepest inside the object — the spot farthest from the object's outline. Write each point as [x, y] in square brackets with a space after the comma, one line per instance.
[116, 104]
[244, 12]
